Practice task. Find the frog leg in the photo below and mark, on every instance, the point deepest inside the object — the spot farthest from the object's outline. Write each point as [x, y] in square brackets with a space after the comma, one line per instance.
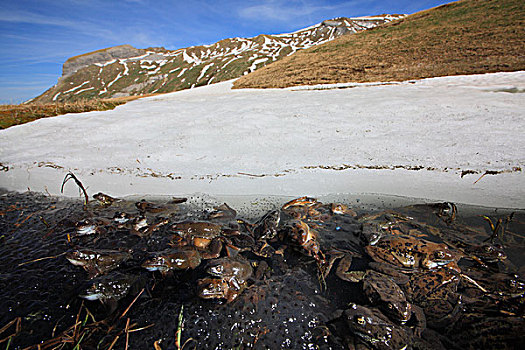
[343, 273]
[397, 274]
[420, 320]
[213, 250]
[333, 255]
[92, 270]
[111, 305]
[231, 250]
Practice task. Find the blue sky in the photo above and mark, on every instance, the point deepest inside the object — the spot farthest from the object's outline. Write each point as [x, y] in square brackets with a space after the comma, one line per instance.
[37, 36]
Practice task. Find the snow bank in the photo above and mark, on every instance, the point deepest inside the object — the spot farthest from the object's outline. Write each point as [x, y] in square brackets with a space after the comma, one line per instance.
[412, 139]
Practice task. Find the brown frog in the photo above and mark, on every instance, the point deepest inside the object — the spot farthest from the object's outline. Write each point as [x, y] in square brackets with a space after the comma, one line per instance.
[382, 291]
[179, 259]
[97, 262]
[114, 286]
[405, 251]
[341, 209]
[266, 227]
[104, 199]
[301, 234]
[141, 228]
[92, 226]
[121, 219]
[436, 292]
[234, 244]
[302, 208]
[111, 288]
[264, 230]
[223, 212]
[205, 236]
[235, 270]
[144, 206]
[372, 327]
[230, 279]
[217, 288]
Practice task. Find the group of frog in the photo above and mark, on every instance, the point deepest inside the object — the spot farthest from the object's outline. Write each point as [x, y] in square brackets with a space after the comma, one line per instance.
[411, 279]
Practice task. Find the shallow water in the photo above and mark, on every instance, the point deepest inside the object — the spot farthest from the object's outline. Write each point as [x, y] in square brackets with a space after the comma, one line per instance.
[284, 306]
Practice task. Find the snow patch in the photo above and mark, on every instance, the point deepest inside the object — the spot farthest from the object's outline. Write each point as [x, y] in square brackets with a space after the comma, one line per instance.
[76, 88]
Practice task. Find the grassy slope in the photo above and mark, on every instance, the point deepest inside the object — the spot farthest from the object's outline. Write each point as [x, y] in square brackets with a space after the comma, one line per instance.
[465, 37]
[11, 115]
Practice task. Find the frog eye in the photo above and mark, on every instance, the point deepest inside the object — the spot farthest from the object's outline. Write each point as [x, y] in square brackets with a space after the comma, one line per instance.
[440, 254]
[390, 306]
[360, 320]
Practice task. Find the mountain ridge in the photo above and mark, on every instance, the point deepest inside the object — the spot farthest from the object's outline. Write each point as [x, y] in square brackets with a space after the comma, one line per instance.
[124, 70]
[462, 37]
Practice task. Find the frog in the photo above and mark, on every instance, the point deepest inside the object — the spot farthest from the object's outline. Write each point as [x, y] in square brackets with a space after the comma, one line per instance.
[92, 226]
[104, 199]
[205, 236]
[144, 206]
[374, 328]
[300, 234]
[341, 209]
[302, 208]
[121, 219]
[111, 288]
[97, 262]
[382, 291]
[218, 288]
[405, 251]
[235, 244]
[506, 291]
[266, 227]
[141, 228]
[223, 212]
[178, 259]
[263, 231]
[234, 270]
[304, 201]
[436, 293]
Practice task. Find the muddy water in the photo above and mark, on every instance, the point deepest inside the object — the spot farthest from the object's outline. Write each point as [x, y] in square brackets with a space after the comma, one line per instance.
[285, 304]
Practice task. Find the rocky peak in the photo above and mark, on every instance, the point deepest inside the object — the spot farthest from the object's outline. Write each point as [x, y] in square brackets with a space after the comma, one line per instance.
[102, 56]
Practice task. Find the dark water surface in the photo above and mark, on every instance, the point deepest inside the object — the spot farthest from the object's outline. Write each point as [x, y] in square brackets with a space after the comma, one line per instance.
[285, 304]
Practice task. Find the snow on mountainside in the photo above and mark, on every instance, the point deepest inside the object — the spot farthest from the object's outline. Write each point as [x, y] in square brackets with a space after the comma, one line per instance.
[124, 70]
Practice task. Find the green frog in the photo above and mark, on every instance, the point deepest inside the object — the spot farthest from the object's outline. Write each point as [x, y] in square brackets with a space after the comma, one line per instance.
[179, 259]
[372, 327]
[97, 262]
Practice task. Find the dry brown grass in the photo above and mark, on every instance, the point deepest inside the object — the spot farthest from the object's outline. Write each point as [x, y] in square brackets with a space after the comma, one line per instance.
[465, 37]
[27, 112]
